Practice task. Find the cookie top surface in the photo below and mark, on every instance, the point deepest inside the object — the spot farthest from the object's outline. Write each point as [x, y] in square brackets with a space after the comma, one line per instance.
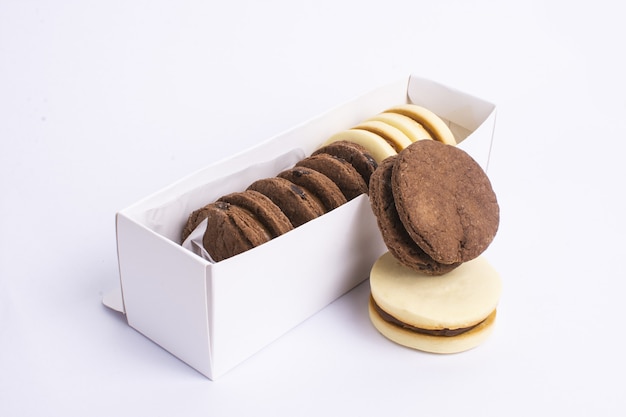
[445, 201]
[356, 155]
[347, 178]
[461, 298]
[231, 230]
[392, 230]
[317, 183]
[299, 205]
[268, 213]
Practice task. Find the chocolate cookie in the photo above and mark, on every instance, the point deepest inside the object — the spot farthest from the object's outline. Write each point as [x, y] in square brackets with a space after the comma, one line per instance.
[299, 205]
[231, 230]
[327, 192]
[395, 236]
[445, 201]
[268, 213]
[195, 218]
[356, 155]
[347, 178]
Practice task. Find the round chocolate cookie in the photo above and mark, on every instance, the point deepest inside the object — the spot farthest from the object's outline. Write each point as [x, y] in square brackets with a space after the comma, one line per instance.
[268, 213]
[342, 173]
[445, 201]
[195, 218]
[395, 236]
[355, 154]
[299, 205]
[327, 192]
[231, 230]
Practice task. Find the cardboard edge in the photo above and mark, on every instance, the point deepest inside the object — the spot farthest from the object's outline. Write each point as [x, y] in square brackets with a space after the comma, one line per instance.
[470, 120]
[114, 298]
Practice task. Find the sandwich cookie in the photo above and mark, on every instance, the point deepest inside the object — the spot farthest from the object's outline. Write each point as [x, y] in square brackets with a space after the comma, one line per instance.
[195, 218]
[445, 201]
[326, 191]
[268, 213]
[450, 313]
[394, 136]
[298, 204]
[393, 232]
[231, 230]
[378, 147]
[347, 178]
[413, 130]
[353, 153]
[431, 122]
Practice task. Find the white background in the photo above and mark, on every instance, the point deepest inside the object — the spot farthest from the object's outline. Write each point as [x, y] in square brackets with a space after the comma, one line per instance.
[105, 102]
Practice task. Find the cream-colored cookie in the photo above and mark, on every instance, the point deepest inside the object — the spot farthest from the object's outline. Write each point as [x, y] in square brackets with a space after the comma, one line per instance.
[438, 129]
[394, 136]
[433, 344]
[464, 298]
[376, 145]
[413, 130]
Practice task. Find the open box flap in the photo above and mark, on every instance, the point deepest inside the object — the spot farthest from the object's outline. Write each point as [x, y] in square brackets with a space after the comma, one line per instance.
[113, 300]
[465, 115]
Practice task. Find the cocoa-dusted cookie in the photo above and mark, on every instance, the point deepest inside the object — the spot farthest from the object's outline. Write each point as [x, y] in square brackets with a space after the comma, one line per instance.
[445, 201]
[327, 192]
[299, 205]
[268, 213]
[356, 155]
[342, 173]
[231, 230]
[395, 236]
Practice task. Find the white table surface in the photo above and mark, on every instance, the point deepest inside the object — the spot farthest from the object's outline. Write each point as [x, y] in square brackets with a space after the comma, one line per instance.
[104, 102]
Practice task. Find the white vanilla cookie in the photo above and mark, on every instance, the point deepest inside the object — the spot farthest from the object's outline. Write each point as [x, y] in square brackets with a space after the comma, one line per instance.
[449, 313]
[437, 128]
[413, 130]
[394, 136]
[378, 147]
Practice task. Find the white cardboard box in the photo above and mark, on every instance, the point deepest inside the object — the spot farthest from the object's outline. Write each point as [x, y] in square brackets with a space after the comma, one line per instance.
[214, 316]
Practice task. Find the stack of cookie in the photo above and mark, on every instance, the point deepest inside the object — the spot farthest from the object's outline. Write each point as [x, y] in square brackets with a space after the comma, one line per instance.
[437, 214]
[269, 207]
